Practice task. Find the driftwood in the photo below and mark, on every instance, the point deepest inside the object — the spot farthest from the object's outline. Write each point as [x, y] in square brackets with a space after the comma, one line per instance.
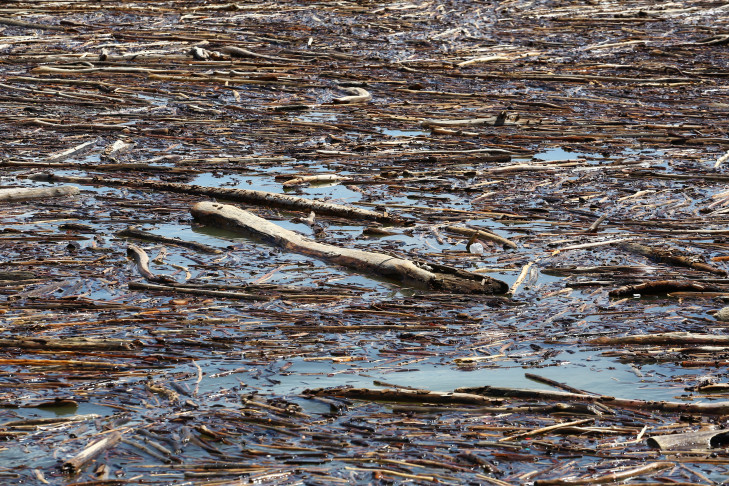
[713, 408]
[484, 235]
[180, 289]
[705, 439]
[262, 198]
[132, 232]
[28, 193]
[356, 95]
[400, 395]
[672, 257]
[140, 257]
[658, 287]
[608, 478]
[419, 274]
[77, 463]
[664, 338]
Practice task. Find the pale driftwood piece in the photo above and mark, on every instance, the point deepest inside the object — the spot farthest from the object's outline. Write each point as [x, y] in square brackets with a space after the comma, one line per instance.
[608, 478]
[28, 193]
[424, 275]
[73, 151]
[261, 198]
[484, 235]
[663, 338]
[545, 430]
[117, 148]
[140, 257]
[198, 291]
[704, 439]
[483, 60]
[321, 178]
[400, 395]
[712, 408]
[520, 279]
[132, 232]
[90, 452]
[672, 257]
[356, 95]
[722, 314]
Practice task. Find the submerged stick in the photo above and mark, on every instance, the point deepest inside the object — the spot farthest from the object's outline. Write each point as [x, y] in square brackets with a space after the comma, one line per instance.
[424, 275]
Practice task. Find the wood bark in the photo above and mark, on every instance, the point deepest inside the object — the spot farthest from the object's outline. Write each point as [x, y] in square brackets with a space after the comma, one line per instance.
[419, 274]
[260, 198]
[28, 193]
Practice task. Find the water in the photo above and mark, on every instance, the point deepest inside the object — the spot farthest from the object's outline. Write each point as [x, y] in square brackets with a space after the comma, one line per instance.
[579, 368]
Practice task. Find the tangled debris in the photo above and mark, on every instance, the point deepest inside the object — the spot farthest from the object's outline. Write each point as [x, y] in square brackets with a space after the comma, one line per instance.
[567, 158]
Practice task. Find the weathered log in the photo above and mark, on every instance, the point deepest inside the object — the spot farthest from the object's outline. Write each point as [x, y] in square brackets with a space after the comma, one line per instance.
[77, 463]
[419, 274]
[713, 408]
[27, 193]
[662, 255]
[663, 338]
[261, 198]
[663, 287]
[705, 439]
[400, 395]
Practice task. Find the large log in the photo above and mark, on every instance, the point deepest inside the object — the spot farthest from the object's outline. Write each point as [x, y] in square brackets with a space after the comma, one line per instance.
[418, 274]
